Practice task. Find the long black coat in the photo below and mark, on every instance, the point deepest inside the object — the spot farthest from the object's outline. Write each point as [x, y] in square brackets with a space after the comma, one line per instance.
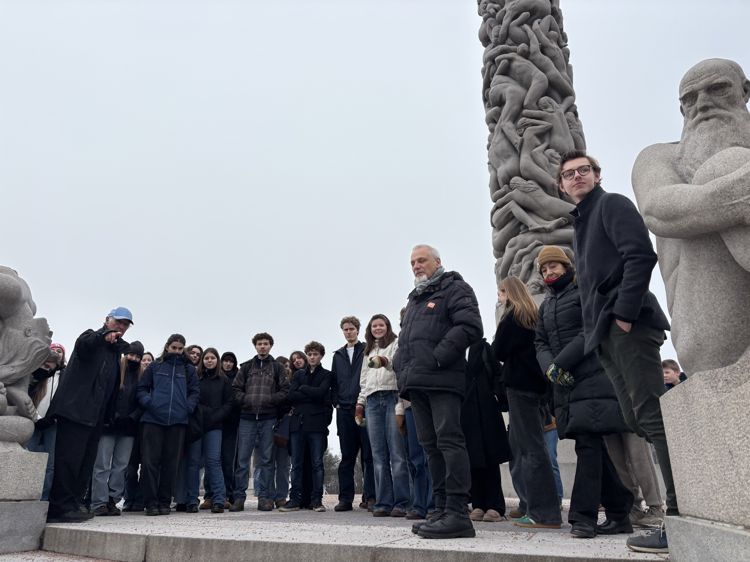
[438, 326]
[590, 405]
[615, 258]
[87, 392]
[481, 420]
[514, 346]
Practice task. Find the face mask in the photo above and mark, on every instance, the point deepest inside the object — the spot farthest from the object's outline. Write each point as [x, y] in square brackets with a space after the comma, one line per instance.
[134, 364]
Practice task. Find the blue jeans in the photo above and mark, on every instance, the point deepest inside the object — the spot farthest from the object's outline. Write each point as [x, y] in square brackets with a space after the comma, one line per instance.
[205, 451]
[550, 440]
[254, 435]
[315, 442]
[108, 478]
[388, 453]
[278, 485]
[44, 442]
[421, 483]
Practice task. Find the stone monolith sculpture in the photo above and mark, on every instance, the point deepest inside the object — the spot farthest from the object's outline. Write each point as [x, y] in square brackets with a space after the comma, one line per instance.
[24, 346]
[695, 197]
[532, 118]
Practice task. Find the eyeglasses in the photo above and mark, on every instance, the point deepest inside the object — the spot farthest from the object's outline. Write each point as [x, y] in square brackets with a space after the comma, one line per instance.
[582, 171]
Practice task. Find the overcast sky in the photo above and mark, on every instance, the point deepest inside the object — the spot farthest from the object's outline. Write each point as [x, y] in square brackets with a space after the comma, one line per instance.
[225, 168]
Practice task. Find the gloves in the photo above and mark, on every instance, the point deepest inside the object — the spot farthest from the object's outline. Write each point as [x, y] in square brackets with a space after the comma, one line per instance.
[558, 375]
[359, 415]
[377, 361]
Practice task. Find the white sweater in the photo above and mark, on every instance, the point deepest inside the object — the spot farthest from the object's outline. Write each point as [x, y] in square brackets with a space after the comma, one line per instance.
[384, 378]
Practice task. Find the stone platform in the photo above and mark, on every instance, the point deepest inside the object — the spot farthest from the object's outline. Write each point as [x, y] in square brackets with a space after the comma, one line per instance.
[305, 535]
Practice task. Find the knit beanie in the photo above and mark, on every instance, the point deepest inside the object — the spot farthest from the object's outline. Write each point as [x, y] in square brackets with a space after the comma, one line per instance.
[135, 348]
[552, 253]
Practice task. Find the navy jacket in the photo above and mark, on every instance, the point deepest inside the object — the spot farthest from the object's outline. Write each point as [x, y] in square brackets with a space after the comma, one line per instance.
[168, 391]
[87, 393]
[614, 259]
[309, 395]
[345, 383]
[590, 405]
[438, 327]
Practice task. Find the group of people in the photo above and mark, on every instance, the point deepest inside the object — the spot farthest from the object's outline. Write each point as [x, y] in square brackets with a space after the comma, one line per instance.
[422, 410]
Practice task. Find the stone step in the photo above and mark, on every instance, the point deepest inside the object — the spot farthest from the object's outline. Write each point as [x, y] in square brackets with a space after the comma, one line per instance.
[304, 535]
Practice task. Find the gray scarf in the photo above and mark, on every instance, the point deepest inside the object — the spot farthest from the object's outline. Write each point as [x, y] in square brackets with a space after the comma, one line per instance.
[420, 286]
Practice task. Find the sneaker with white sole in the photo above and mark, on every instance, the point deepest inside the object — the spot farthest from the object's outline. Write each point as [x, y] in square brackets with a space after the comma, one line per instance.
[653, 541]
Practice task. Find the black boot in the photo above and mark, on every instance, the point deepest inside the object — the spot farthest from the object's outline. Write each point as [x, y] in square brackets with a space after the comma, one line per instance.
[432, 517]
[454, 522]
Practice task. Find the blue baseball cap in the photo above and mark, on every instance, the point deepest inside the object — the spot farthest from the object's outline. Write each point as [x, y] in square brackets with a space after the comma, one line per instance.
[121, 313]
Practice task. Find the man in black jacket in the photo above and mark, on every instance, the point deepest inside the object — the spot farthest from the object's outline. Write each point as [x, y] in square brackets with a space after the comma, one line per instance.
[81, 405]
[440, 322]
[622, 320]
[353, 440]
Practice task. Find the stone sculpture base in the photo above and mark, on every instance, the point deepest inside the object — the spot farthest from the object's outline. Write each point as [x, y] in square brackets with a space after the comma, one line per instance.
[707, 430]
[22, 515]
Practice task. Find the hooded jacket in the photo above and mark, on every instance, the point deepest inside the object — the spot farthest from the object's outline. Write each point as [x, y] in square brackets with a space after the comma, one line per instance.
[439, 324]
[168, 391]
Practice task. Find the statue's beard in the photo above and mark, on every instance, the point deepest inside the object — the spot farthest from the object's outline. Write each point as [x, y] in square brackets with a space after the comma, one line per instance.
[701, 140]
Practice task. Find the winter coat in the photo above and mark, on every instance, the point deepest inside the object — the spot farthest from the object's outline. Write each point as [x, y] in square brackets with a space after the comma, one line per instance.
[87, 391]
[127, 411]
[438, 326]
[590, 405]
[168, 391]
[232, 421]
[514, 346]
[215, 400]
[614, 259]
[481, 419]
[345, 381]
[374, 380]
[260, 388]
[309, 395]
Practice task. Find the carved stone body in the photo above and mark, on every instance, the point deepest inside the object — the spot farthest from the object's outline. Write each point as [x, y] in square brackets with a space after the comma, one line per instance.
[695, 197]
[24, 346]
[530, 112]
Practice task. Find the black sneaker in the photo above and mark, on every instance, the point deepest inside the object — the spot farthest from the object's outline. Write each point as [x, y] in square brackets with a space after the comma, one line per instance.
[450, 526]
[192, 508]
[217, 508]
[152, 511]
[265, 505]
[291, 505]
[101, 510]
[344, 506]
[653, 541]
[237, 505]
[112, 508]
[182, 507]
[165, 510]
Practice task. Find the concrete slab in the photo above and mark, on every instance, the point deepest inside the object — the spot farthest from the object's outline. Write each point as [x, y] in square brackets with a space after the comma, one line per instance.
[698, 540]
[253, 535]
[21, 525]
[23, 473]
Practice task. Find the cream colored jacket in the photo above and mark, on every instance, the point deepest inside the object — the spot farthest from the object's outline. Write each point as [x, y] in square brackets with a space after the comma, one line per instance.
[384, 378]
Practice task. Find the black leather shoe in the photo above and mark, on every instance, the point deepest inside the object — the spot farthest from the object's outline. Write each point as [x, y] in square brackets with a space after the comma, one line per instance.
[343, 506]
[152, 511]
[238, 505]
[431, 517]
[610, 527]
[583, 530]
[450, 526]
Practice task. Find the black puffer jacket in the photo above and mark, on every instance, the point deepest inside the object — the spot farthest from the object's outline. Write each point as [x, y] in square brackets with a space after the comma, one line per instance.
[590, 405]
[438, 326]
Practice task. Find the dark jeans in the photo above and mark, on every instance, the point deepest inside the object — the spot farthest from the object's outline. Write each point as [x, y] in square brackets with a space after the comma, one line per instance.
[315, 442]
[75, 453]
[353, 440]
[437, 415]
[421, 483]
[531, 463]
[597, 482]
[486, 490]
[229, 459]
[633, 364]
[161, 450]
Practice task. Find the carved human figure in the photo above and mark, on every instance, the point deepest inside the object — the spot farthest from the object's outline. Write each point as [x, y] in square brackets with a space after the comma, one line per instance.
[695, 197]
[24, 342]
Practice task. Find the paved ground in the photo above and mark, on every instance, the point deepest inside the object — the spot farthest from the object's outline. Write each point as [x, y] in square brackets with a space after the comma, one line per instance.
[305, 535]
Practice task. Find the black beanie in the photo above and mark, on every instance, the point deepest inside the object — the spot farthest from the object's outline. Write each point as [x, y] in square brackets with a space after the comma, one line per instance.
[135, 347]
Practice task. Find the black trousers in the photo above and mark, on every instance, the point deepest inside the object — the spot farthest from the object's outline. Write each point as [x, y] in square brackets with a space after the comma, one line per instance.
[75, 453]
[133, 492]
[633, 364]
[437, 415]
[597, 482]
[486, 489]
[353, 441]
[161, 449]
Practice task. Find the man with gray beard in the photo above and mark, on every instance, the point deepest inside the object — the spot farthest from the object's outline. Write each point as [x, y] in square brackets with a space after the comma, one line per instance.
[695, 197]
